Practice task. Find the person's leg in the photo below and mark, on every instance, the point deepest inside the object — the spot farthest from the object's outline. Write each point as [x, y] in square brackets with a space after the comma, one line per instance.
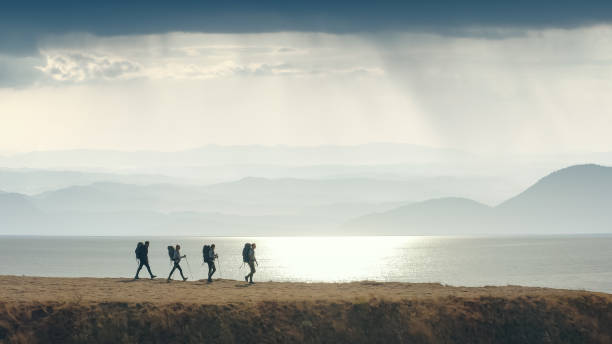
[149, 268]
[172, 271]
[181, 271]
[211, 270]
[250, 274]
[252, 267]
[140, 264]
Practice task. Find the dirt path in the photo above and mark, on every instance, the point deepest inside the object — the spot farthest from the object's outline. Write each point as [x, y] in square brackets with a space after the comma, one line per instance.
[24, 289]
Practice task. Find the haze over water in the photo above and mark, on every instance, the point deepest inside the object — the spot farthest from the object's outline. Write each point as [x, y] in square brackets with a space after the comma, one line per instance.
[572, 262]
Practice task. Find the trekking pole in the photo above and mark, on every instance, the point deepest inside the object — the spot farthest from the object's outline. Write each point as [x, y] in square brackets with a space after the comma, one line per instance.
[189, 267]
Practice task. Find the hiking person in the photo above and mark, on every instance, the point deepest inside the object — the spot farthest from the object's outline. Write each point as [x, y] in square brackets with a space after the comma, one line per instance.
[175, 254]
[142, 254]
[249, 257]
[209, 258]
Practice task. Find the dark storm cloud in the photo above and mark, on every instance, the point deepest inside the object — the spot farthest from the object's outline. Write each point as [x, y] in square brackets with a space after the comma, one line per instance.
[19, 72]
[22, 22]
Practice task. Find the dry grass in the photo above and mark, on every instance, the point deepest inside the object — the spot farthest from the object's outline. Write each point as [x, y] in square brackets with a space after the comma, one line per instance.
[49, 310]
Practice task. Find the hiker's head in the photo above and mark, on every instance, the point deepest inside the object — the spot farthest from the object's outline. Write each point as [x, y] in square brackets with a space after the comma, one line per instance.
[146, 243]
[178, 247]
[212, 246]
[253, 245]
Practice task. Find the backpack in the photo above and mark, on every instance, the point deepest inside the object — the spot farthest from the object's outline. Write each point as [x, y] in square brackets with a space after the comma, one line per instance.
[171, 252]
[246, 253]
[138, 250]
[206, 253]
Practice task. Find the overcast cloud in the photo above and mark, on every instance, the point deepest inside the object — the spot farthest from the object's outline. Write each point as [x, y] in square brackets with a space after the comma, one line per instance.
[23, 23]
[521, 90]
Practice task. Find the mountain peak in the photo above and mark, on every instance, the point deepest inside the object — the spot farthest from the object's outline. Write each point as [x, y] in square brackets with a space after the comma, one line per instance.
[578, 186]
[583, 169]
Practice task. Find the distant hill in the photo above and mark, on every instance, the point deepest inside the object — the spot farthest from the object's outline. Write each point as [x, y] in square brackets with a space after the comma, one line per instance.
[16, 204]
[571, 187]
[18, 213]
[314, 192]
[253, 196]
[119, 197]
[33, 181]
[442, 216]
[576, 199]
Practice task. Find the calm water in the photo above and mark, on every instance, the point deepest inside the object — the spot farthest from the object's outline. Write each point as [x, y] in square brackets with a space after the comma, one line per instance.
[575, 262]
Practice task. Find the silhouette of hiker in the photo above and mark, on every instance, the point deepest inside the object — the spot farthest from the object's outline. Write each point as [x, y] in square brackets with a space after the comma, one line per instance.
[142, 254]
[177, 259]
[211, 262]
[252, 261]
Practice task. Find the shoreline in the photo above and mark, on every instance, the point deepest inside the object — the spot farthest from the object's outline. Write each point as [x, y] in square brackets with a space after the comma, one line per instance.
[67, 310]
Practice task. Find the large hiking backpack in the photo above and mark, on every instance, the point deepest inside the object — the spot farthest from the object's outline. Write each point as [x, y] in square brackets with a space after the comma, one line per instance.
[171, 252]
[206, 253]
[138, 250]
[246, 253]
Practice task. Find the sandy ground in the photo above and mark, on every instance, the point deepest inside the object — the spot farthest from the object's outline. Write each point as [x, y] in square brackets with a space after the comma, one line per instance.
[111, 310]
[27, 289]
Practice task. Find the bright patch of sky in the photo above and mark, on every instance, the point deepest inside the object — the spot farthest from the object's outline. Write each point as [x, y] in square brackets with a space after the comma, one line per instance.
[541, 90]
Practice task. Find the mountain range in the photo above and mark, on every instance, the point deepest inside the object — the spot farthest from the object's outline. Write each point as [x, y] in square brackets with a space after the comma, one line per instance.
[576, 199]
[38, 171]
[571, 200]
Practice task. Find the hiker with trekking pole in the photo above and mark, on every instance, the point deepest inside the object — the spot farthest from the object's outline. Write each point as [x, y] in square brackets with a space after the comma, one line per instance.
[248, 256]
[175, 257]
[209, 256]
[142, 255]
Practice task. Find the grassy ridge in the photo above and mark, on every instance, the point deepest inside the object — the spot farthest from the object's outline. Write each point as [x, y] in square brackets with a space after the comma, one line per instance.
[581, 318]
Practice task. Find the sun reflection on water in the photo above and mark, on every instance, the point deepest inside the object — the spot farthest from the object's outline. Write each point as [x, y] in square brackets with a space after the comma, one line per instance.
[335, 258]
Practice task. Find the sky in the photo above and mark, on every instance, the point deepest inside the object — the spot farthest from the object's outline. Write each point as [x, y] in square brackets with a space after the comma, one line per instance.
[481, 76]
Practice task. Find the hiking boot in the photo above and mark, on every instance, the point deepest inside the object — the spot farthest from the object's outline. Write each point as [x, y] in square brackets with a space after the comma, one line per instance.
[246, 278]
[184, 279]
[153, 277]
[168, 280]
[251, 282]
[209, 281]
[136, 277]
